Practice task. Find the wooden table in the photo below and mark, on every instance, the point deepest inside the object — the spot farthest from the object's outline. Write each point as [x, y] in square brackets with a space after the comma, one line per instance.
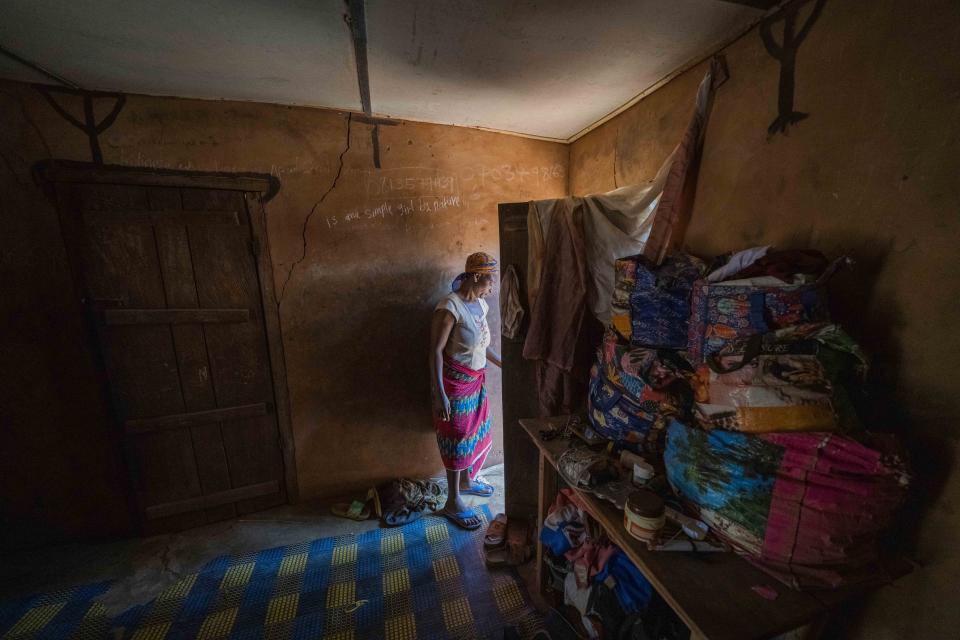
[711, 592]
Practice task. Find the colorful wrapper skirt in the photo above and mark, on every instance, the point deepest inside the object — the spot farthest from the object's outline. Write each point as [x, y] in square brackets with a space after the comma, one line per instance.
[465, 439]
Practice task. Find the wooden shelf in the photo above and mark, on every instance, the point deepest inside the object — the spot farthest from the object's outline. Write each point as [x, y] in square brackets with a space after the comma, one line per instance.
[711, 592]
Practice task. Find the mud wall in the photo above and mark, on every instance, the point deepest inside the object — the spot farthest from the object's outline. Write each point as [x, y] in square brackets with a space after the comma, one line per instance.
[361, 254]
[871, 173]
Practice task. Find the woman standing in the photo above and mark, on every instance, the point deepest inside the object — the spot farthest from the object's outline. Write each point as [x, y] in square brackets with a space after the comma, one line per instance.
[460, 348]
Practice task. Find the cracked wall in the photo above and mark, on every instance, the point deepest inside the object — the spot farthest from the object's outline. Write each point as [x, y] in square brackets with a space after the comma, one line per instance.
[871, 173]
[368, 253]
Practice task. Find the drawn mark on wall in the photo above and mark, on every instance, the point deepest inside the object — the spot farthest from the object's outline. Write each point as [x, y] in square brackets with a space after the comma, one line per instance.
[786, 53]
[90, 126]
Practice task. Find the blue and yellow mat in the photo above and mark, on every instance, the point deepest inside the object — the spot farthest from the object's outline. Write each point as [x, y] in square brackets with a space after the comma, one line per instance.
[425, 580]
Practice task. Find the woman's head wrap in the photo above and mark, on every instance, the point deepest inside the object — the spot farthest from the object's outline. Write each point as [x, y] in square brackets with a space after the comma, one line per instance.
[480, 262]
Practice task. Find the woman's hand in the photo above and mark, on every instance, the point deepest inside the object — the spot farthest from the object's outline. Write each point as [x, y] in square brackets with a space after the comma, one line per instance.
[441, 405]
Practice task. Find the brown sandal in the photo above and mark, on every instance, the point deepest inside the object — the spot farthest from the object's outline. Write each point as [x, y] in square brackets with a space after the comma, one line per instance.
[496, 532]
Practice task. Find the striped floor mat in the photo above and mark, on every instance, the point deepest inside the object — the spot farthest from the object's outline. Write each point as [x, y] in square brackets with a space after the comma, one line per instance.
[424, 580]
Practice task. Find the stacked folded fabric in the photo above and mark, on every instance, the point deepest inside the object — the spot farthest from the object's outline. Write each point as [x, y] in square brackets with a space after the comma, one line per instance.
[756, 390]
[639, 379]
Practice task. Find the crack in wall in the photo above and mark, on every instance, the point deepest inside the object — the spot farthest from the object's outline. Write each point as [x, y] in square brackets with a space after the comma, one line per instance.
[313, 209]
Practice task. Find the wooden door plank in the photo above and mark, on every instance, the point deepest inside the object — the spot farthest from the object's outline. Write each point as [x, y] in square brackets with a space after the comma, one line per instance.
[546, 495]
[121, 263]
[213, 500]
[174, 316]
[193, 419]
[240, 366]
[173, 245]
[253, 453]
[271, 319]
[177, 217]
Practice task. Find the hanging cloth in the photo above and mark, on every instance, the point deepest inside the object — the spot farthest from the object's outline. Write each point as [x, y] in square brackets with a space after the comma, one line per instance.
[648, 218]
[574, 243]
[511, 310]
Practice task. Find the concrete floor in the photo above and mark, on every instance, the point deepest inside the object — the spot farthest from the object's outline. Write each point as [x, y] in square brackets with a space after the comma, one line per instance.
[143, 567]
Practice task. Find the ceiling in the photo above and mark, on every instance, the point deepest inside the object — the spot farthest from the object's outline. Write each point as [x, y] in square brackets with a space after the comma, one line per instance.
[548, 68]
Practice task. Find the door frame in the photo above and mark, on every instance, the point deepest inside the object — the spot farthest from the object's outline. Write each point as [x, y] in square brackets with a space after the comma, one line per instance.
[258, 189]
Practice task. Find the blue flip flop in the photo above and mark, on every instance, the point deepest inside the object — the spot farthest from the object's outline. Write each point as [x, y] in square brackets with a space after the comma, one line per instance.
[460, 518]
[479, 488]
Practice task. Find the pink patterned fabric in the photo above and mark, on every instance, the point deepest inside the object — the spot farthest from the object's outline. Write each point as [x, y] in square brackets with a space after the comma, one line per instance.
[828, 491]
[465, 439]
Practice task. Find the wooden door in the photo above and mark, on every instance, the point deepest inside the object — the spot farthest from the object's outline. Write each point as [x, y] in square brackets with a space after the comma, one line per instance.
[169, 274]
[520, 456]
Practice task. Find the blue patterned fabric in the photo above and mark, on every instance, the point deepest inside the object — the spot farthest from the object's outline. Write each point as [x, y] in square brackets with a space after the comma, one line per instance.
[722, 314]
[660, 301]
[615, 415]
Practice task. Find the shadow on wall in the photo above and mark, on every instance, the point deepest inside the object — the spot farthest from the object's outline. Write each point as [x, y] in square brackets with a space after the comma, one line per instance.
[381, 347]
[876, 321]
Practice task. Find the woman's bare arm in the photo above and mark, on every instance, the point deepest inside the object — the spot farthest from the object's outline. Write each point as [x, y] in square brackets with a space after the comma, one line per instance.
[494, 357]
[440, 327]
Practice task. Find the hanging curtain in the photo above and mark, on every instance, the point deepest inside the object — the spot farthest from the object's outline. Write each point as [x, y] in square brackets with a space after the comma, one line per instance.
[575, 241]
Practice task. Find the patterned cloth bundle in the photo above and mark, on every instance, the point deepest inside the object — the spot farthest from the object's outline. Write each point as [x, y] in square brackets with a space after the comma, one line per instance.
[755, 391]
[805, 507]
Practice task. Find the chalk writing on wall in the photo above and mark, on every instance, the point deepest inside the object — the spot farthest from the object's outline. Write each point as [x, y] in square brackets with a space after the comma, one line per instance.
[396, 208]
[404, 182]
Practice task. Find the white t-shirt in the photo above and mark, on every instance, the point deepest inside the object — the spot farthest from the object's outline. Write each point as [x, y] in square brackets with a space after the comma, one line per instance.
[470, 335]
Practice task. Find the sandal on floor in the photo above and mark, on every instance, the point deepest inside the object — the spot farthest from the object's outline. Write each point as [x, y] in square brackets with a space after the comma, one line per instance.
[496, 532]
[479, 488]
[498, 557]
[467, 519]
[356, 510]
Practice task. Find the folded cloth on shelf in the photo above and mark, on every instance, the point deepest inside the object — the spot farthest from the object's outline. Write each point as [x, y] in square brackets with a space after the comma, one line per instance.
[660, 300]
[578, 596]
[785, 264]
[617, 415]
[633, 590]
[806, 507]
[624, 279]
[721, 313]
[633, 389]
[589, 559]
[737, 263]
[564, 528]
[795, 379]
[783, 392]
